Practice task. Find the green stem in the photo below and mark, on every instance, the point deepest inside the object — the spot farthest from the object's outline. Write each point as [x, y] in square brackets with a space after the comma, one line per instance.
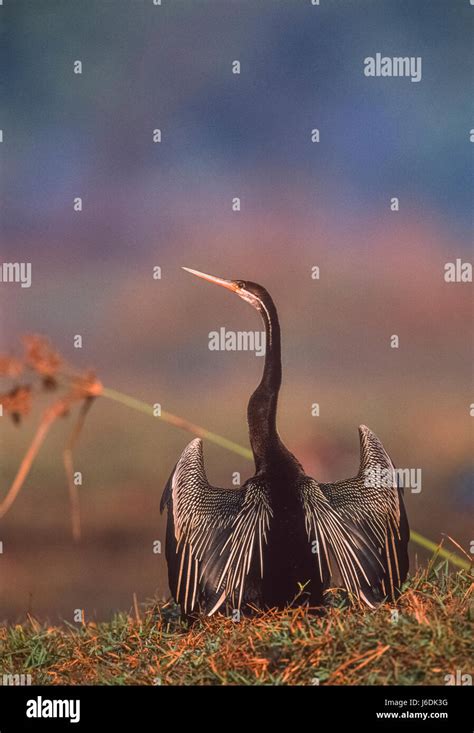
[438, 550]
[201, 432]
[178, 422]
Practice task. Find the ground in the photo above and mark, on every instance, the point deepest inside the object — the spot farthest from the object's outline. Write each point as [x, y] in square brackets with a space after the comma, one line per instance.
[420, 641]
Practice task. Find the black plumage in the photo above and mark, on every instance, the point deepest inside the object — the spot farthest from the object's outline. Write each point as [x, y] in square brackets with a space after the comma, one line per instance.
[283, 534]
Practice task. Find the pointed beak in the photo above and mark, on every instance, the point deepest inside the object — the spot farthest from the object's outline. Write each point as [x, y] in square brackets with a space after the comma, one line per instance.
[216, 280]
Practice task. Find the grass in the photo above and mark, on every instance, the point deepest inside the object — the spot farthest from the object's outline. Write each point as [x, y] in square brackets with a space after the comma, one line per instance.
[430, 639]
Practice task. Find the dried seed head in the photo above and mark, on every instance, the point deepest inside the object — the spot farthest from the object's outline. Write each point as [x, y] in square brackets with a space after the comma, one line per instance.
[10, 366]
[17, 402]
[49, 383]
[84, 386]
[40, 355]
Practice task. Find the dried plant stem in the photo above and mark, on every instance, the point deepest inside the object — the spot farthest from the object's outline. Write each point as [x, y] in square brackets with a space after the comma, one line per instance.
[456, 544]
[50, 415]
[363, 660]
[136, 609]
[69, 468]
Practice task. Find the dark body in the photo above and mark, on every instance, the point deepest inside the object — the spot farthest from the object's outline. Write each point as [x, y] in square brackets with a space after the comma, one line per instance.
[291, 571]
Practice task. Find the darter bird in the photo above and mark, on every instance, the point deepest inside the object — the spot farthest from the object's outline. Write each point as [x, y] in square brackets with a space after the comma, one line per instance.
[282, 535]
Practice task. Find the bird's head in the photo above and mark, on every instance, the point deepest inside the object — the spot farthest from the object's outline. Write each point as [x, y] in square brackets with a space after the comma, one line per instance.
[253, 293]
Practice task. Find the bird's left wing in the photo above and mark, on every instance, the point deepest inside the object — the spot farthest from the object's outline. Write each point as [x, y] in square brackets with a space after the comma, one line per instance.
[374, 503]
[212, 535]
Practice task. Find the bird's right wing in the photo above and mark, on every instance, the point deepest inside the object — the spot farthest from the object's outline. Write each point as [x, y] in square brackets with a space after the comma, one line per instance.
[212, 534]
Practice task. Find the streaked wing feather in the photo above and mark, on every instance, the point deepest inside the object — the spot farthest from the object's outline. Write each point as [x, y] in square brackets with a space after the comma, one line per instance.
[353, 553]
[374, 503]
[213, 534]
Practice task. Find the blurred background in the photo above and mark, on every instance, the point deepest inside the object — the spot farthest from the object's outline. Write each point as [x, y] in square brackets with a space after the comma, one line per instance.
[169, 204]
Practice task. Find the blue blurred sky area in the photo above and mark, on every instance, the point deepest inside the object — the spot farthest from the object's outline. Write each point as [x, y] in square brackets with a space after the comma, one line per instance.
[169, 66]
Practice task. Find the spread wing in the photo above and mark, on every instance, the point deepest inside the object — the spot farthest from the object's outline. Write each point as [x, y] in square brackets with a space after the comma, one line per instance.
[212, 534]
[339, 541]
[374, 503]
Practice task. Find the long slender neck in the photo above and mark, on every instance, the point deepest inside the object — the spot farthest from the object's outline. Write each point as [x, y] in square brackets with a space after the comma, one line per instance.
[262, 408]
